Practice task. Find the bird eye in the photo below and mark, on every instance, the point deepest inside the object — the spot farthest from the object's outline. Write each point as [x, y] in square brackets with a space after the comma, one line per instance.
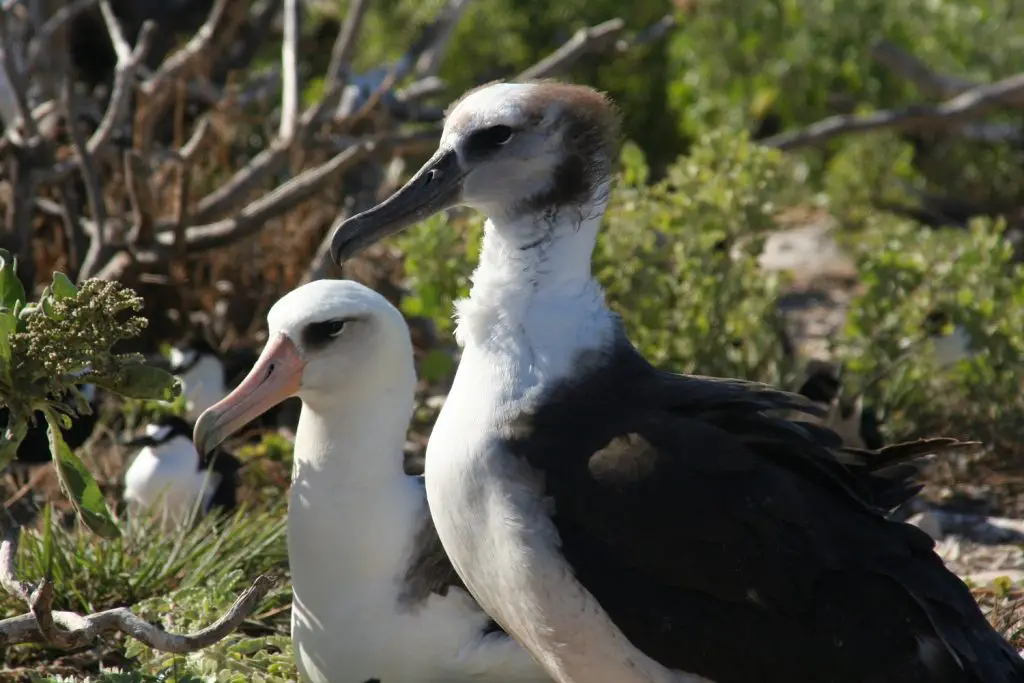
[334, 327]
[489, 139]
[318, 334]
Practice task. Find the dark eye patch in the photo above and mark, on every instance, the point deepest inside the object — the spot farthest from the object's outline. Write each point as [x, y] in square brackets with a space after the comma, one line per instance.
[486, 140]
[319, 334]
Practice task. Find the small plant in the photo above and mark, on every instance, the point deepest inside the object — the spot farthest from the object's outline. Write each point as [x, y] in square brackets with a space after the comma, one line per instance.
[48, 349]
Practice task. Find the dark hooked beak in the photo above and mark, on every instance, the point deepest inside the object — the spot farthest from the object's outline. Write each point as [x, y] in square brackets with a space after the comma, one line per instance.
[435, 187]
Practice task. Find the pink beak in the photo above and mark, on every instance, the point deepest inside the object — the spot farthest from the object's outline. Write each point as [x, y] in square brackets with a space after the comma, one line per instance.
[276, 376]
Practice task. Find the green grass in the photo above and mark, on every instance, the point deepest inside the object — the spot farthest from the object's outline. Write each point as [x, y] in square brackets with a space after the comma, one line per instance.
[182, 579]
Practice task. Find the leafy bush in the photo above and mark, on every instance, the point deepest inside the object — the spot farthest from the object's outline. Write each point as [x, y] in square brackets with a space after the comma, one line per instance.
[50, 347]
[971, 278]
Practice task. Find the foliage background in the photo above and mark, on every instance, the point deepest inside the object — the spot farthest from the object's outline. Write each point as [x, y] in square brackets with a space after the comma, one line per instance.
[679, 257]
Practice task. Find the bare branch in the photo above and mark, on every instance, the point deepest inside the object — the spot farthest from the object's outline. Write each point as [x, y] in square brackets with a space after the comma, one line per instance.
[60, 20]
[285, 197]
[952, 112]
[341, 55]
[121, 46]
[8, 554]
[345, 43]
[651, 34]
[907, 66]
[231, 193]
[198, 45]
[124, 78]
[90, 178]
[14, 90]
[140, 194]
[198, 140]
[586, 40]
[290, 72]
[429, 61]
[82, 631]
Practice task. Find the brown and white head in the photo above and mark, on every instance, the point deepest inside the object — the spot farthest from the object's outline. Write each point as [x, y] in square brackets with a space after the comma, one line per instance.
[532, 156]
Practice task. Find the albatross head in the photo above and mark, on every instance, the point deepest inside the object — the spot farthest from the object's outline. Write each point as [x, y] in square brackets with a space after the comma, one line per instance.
[508, 149]
[329, 341]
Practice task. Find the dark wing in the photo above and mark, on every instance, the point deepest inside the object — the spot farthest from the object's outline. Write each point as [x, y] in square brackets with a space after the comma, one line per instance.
[726, 541]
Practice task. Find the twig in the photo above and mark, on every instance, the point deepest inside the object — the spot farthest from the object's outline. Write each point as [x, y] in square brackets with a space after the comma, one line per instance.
[290, 72]
[951, 112]
[140, 194]
[345, 43]
[9, 531]
[90, 178]
[297, 190]
[15, 85]
[430, 60]
[199, 44]
[590, 39]
[231, 193]
[124, 77]
[341, 55]
[60, 19]
[907, 66]
[121, 46]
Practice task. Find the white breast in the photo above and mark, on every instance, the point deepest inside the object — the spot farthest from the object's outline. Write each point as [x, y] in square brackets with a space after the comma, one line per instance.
[496, 527]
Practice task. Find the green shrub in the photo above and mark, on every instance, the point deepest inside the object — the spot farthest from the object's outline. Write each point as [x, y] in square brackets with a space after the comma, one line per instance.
[908, 272]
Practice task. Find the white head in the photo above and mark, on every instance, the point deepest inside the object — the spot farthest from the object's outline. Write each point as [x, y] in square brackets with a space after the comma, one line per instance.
[508, 149]
[332, 343]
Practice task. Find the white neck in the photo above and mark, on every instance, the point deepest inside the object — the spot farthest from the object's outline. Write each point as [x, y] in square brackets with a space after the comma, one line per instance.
[533, 288]
[351, 507]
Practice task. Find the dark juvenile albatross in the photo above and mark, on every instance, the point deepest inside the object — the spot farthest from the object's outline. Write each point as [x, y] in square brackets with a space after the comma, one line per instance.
[631, 525]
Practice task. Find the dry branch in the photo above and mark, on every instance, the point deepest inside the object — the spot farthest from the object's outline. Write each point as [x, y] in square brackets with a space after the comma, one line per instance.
[907, 66]
[290, 72]
[586, 40]
[955, 111]
[69, 630]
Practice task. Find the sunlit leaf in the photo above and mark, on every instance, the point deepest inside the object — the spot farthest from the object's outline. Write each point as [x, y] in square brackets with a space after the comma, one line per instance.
[143, 382]
[11, 289]
[79, 485]
[63, 288]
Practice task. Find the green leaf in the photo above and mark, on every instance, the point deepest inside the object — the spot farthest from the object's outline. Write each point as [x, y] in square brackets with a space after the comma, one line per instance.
[79, 484]
[48, 540]
[143, 381]
[63, 288]
[8, 326]
[11, 289]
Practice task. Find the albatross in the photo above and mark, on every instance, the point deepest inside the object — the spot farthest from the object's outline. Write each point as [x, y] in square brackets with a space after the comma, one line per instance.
[374, 595]
[627, 524]
[168, 477]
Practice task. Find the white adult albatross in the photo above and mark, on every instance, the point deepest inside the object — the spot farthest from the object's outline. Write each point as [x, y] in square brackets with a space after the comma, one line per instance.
[630, 525]
[375, 596]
